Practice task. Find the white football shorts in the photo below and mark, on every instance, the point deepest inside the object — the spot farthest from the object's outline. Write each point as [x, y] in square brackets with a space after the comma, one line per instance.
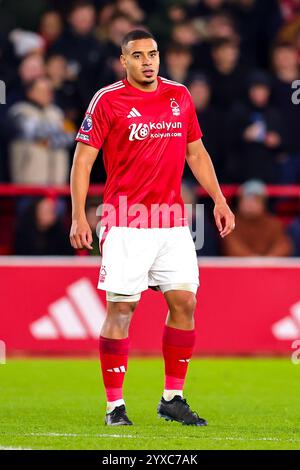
[134, 259]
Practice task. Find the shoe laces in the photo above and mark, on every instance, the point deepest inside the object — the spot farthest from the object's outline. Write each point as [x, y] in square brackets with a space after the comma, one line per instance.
[119, 411]
[183, 400]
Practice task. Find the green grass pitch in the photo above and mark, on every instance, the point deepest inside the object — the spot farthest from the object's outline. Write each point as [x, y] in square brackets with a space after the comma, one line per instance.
[59, 404]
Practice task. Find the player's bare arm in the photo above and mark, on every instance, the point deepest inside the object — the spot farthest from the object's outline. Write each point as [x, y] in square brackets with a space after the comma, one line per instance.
[84, 158]
[201, 165]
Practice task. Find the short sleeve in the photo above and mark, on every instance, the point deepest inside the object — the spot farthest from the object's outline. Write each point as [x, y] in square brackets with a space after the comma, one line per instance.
[194, 131]
[96, 123]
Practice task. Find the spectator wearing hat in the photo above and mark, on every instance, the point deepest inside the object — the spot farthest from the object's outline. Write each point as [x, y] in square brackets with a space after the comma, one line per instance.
[257, 232]
[255, 135]
[26, 42]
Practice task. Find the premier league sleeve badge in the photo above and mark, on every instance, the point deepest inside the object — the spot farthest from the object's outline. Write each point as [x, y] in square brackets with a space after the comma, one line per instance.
[87, 123]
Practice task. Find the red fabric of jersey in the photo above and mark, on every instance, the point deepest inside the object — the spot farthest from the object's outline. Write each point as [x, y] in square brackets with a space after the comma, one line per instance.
[144, 137]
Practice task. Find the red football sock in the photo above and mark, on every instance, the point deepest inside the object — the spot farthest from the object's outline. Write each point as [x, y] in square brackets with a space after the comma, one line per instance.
[178, 347]
[114, 359]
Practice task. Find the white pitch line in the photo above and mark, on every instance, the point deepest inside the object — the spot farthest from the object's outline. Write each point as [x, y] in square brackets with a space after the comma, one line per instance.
[14, 448]
[130, 436]
[57, 434]
[275, 439]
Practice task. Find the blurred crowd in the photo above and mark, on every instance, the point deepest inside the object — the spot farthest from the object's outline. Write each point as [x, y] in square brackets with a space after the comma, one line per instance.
[239, 58]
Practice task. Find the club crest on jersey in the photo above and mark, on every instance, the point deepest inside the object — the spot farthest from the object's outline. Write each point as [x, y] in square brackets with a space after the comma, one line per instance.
[87, 123]
[138, 131]
[174, 107]
[102, 273]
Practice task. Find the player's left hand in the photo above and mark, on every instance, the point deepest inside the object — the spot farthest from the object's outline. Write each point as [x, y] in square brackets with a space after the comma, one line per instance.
[224, 218]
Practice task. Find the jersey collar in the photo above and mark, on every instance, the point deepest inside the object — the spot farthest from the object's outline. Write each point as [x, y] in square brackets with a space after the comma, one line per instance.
[137, 91]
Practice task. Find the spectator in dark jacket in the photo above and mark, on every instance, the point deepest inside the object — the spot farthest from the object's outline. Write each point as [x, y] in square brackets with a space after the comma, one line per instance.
[286, 98]
[51, 27]
[294, 233]
[31, 67]
[255, 135]
[66, 93]
[111, 69]
[41, 232]
[227, 75]
[178, 59]
[211, 121]
[83, 52]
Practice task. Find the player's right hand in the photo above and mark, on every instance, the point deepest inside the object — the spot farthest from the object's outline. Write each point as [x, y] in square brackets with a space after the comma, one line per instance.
[81, 235]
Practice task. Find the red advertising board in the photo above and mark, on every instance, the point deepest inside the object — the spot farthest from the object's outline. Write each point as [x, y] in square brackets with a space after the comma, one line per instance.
[244, 307]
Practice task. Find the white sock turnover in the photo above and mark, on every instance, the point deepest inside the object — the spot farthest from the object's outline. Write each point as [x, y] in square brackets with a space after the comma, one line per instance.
[111, 405]
[169, 394]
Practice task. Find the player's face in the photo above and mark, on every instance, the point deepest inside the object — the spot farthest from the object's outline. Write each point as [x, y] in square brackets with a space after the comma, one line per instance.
[140, 59]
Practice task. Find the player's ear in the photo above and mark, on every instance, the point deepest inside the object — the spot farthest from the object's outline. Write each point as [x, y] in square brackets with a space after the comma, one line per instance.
[123, 60]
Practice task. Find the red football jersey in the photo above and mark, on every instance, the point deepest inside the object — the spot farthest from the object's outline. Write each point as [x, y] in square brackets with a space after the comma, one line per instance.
[144, 137]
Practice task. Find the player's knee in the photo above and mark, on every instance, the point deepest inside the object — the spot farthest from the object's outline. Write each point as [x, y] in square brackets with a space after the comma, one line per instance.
[183, 309]
[189, 306]
[125, 308]
[122, 312]
[185, 306]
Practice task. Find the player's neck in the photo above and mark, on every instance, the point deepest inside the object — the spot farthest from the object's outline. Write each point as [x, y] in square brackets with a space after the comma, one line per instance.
[144, 87]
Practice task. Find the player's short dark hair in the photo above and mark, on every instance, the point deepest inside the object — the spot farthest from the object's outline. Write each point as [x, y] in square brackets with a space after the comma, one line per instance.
[134, 35]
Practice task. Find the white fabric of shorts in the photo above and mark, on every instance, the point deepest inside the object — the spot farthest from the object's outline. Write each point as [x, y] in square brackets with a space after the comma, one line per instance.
[112, 297]
[134, 259]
